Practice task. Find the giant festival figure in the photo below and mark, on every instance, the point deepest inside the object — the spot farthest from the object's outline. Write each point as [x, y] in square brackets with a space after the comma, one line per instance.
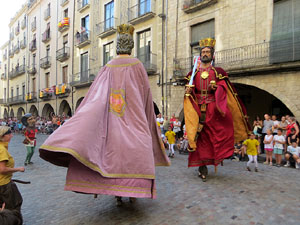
[214, 116]
[112, 143]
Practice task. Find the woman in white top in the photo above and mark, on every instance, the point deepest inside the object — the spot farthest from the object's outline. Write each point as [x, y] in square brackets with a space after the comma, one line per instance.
[176, 129]
[268, 141]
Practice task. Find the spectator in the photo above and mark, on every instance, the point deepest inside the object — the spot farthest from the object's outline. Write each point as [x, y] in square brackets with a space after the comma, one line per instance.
[275, 125]
[257, 126]
[172, 120]
[268, 123]
[176, 128]
[292, 137]
[170, 135]
[279, 141]
[292, 155]
[160, 120]
[238, 154]
[292, 124]
[166, 124]
[268, 146]
[252, 146]
[283, 124]
[184, 145]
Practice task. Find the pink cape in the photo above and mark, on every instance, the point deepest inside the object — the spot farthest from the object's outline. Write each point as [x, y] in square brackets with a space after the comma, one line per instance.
[113, 135]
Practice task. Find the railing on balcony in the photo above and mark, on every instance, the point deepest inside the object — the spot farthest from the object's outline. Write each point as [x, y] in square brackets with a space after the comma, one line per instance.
[32, 45]
[63, 54]
[16, 99]
[16, 48]
[82, 5]
[47, 13]
[190, 6]
[4, 56]
[23, 44]
[64, 24]
[82, 39]
[11, 53]
[47, 93]
[11, 35]
[3, 76]
[31, 96]
[3, 101]
[33, 25]
[45, 62]
[23, 24]
[11, 74]
[46, 36]
[31, 69]
[63, 2]
[62, 90]
[107, 27]
[149, 61]
[83, 78]
[17, 30]
[20, 70]
[143, 11]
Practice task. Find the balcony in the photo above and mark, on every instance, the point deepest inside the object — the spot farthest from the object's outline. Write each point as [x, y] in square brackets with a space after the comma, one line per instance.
[46, 36]
[17, 30]
[32, 45]
[82, 39]
[11, 53]
[63, 54]
[45, 62]
[83, 79]
[64, 2]
[64, 24]
[20, 70]
[47, 93]
[47, 14]
[149, 61]
[23, 44]
[141, 12]
[11, 36]
[107, 27]
[82, 5]
[33, 25]
[190, 6]
[62, 90]
[23, 24]
[16, 49]
[4, 56]
[3, 76]
[31, 69]
[3, 101]
[19, 99]
[31, 97]
[11, 74]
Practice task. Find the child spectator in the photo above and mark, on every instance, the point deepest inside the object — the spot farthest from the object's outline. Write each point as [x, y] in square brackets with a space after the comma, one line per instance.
[252, 146]
[184, 145]
[278, 141]
[268, 146]
[171, 140]
[292, 155]
[238, 150]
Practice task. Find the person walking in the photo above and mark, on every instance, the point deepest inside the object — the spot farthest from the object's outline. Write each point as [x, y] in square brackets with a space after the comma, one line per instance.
[170, 135]
[252, 149]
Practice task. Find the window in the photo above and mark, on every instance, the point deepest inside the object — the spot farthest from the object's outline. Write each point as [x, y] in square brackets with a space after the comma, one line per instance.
[144, 7]
[109, 15]
[65, 74]
[84, 65]
[85, 24]
[4, 93]
[33, 85]
[24, 59]
[48, 50]
[66, 13]
[33, 60]
[12, 92]
[23, 91]
[17, 91]
[199, 32]
[108, 53]
[47, 80]
[65, 40]
[144, 46]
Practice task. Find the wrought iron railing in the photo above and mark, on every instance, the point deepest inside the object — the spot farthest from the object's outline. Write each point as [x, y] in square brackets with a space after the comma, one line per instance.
[45, 62]
[20, 70]
[83, 77]
[3, 101]
[31, 69]
[63, 54]
[141, 9]
[149, 61]
[16, 99]
[83, 38]
[190, 6]
[82, 4]
[46, 36]
[106, 25]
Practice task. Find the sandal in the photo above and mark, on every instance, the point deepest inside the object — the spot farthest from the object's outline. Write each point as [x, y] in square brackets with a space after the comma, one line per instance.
[202, 172]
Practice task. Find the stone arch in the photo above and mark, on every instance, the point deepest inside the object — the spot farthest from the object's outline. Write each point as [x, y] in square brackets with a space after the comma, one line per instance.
[33, 110]
[78, 102]
[269, 89]
[20, 113]
[5, 114]
[47, 111]
[65, 108]
[12, 114]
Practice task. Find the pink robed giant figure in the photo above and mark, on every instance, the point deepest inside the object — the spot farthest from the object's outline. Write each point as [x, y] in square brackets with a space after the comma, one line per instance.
[112, 143]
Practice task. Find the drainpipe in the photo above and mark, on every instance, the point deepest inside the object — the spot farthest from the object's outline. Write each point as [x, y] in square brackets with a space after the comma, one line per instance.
[162, 56]
[72, 61]
[56, 29]
[166, 55]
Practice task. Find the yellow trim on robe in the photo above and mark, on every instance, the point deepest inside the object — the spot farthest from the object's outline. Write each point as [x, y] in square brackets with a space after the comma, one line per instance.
[93, 166]
[123, 65]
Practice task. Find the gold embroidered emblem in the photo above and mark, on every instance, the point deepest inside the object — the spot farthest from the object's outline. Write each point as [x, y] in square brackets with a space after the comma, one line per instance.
[204, 75]
[117, 102]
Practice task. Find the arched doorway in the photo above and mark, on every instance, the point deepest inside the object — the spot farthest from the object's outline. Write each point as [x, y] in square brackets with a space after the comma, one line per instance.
[65, 108]
[78, 102]
[20, 113]
[33, 110]
[5, 114]
[259, 102]
[11, 114]
[47, 111]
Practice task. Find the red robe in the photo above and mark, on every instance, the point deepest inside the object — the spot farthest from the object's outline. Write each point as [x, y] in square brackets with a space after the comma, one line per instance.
[216, 140]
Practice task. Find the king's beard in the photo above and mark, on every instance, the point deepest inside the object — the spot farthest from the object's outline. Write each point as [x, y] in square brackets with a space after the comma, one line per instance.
[205, 59]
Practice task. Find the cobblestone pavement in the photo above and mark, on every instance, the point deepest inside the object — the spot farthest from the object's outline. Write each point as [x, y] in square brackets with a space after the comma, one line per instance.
[232, 196]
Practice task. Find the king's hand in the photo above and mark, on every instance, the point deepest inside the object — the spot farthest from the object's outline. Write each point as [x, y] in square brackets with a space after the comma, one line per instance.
[188, 89]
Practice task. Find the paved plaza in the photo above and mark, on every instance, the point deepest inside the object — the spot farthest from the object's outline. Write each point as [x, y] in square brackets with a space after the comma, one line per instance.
[232, 196]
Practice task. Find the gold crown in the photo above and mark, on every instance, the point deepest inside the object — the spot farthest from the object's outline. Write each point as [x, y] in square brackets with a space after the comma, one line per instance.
[125, 29]
[207, 42]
